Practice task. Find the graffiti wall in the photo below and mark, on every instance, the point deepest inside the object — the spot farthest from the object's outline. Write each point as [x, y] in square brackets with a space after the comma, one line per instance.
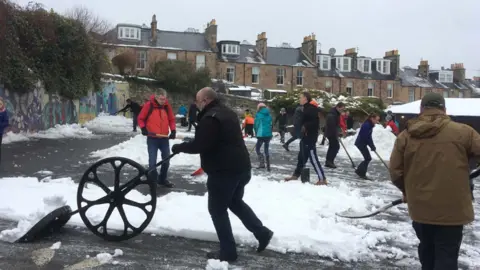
[58, 111]
[110, 99]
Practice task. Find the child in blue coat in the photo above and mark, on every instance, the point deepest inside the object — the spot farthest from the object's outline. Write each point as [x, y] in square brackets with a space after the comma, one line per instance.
[363, 140]
[263, 129]
[3, 122]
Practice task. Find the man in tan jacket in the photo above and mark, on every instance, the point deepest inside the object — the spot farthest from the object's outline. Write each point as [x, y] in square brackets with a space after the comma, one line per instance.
[430, 165]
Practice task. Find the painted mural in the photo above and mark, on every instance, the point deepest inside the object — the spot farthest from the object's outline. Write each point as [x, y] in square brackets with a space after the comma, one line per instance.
[58, 111]
[109, 100]
[25, 110]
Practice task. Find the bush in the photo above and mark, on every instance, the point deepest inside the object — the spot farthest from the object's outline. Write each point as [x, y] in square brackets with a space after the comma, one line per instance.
[180, 76]
[124, 61]
[41, 45]
[358, 106]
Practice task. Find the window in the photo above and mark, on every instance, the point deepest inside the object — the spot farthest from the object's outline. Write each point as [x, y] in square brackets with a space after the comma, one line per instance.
[172, 56]
[370, 90]
[445, 76]
[324, 62]
[299, 77]
[445, 93]
[460, 94]
[230, 74]
[129, 33]
[255, 75]
[344, 63]
[230, 49]
[328, 85]
[350, 88]
[141, 59]
[280, 76]
[365, 65]
[390, 90]
[200, 61]
[411, 94]
[383, 66]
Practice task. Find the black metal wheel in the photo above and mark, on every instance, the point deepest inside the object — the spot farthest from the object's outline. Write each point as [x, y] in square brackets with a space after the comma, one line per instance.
[116, 198]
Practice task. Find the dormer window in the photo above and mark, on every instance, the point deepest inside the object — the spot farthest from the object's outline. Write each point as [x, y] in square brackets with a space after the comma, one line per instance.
[445, 76]
[344, 63]
[230, 49]
[383, 66]
[324, 62]
[132, 33]
[364, 65]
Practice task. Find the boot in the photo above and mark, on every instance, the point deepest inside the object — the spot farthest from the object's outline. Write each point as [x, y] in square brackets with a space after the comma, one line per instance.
[330, 164]
[321, 183]
[290, 178]
[268, 162]
[261, 161]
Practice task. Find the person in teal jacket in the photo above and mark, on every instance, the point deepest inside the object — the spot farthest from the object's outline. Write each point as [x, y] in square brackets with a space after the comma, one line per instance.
[263, 128]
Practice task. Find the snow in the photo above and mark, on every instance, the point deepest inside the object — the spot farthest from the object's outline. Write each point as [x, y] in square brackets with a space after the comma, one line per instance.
[56, 245]
[110, 123]
[455, 107]
[57, 132]
[276, 90]
[136, 149]
[216, 265]
[105, 258]
[382, 137]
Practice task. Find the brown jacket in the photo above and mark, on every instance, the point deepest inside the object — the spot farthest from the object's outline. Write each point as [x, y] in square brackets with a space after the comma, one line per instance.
[429, 164]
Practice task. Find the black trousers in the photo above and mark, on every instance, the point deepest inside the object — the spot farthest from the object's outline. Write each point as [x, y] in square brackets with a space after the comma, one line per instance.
[249, 130]
[439, 245]
[308, 151]
[333, 148]
[190, 124]
[225, 191]
[363, 166]
[135, 121]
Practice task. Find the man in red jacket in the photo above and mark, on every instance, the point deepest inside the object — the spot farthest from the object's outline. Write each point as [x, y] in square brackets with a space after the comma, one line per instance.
[157, 121]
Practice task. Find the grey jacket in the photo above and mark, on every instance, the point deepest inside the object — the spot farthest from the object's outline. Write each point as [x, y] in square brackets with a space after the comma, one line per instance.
[297, 117]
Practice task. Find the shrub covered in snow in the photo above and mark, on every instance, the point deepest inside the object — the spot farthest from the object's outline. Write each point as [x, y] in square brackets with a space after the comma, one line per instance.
[357, 105]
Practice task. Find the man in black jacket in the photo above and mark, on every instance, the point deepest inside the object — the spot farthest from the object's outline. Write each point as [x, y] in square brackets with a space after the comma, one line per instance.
[282, 124]
[192, 116]
[331, 132]
[135, 109]
[297, 126]
[310, 125]
[225, 159]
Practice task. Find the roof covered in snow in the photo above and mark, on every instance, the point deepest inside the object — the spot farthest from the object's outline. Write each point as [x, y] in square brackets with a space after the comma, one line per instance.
[275, 56]
[455, 107]
[409, 78]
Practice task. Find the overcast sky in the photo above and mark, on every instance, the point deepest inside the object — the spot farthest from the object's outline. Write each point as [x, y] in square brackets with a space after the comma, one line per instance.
[440, 31]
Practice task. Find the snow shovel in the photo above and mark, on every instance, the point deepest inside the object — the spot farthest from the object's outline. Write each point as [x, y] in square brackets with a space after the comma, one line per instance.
[344, 148]
[381, 159]
[390, 205]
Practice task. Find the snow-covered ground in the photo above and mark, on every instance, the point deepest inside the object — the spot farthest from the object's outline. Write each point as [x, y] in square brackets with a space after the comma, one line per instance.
[383, 139]
[57, 132]
[110, 124]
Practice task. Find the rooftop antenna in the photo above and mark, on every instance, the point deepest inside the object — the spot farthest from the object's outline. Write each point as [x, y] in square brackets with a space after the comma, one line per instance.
[319, 45]
[332, 52]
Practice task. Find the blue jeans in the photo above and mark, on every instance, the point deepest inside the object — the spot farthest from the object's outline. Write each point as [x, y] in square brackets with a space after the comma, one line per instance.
[266, 142]
[153, 145]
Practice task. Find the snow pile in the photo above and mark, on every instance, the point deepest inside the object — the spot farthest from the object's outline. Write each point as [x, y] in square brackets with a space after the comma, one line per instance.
[382, 137]
[104, 258]
[56, 245]
[110, 124]
[57, 132]
[216, 265]
[136, 149]
[25, 223]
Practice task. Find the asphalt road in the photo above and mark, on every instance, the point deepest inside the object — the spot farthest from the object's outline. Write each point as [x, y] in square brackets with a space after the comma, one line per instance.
[70, 157]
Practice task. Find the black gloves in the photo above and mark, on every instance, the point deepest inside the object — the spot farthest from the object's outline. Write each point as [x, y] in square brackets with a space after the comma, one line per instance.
[173, 134]
[373, 149]
[144, 131]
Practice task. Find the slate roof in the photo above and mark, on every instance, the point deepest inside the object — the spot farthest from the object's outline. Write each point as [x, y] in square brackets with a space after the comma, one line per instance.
[275, 56]
[374, 75]
[409, 78]
[169, 40]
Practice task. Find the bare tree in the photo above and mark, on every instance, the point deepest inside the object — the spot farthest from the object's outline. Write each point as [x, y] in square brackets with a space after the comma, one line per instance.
[89, 20]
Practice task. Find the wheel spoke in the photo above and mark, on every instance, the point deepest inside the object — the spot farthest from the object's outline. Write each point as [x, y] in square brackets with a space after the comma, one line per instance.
[127, 187]
[103, 200]
[137, 204]
[117, 170]
[99, 183]
[126, 223]
[108, 214]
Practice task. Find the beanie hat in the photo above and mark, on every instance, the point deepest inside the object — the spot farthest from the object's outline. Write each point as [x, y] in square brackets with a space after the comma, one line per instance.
[433, 100]
[260, 105]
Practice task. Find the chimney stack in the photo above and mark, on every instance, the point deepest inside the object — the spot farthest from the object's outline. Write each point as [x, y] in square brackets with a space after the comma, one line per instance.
[261, 44]
[423, 69]
[211, 34]
[394, 56]
[154, 28]
[477, 79]
[458, 72]
[352, 52]
[309, 47]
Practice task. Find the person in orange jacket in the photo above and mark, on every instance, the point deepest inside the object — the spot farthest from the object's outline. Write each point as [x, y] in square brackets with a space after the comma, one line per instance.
[157, 121]
[248, 124]
[343, 124]
[391, 124]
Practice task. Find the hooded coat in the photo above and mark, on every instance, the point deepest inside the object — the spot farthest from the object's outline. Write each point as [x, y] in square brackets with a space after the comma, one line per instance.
[430, 165]
[263, 123]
